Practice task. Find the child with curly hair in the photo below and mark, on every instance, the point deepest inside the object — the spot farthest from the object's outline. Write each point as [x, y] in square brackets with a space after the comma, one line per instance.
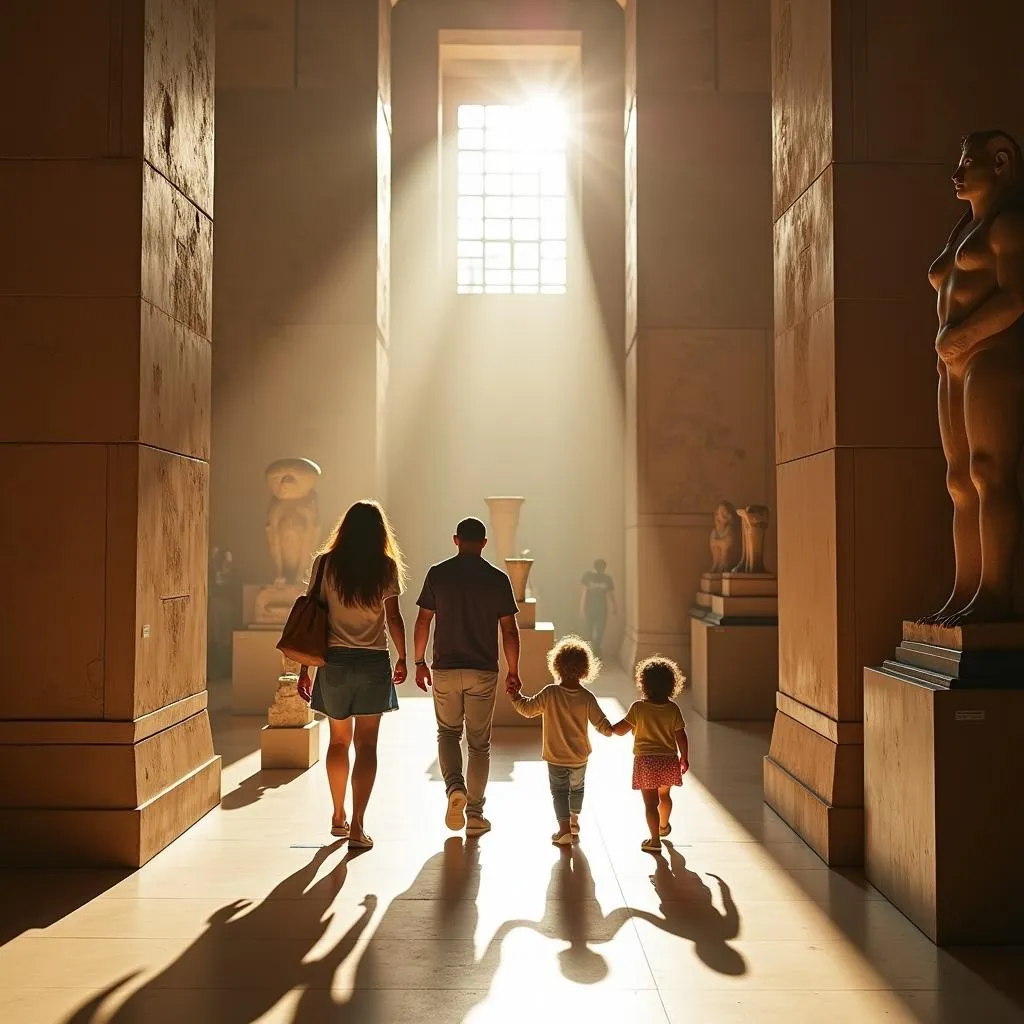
[660, 746]
[567, 707]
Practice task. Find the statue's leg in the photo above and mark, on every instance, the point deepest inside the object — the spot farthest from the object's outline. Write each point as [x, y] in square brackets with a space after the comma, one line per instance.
[994, 417]
[966, 538]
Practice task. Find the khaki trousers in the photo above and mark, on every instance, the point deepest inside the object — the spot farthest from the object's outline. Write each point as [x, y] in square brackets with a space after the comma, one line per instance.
[464, 697]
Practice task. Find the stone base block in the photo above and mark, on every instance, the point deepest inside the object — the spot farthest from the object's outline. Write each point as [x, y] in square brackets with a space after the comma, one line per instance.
[749, 584]
[734, 670]
[533, 670]
[711, 582]
[814, 779]
[124, 838]
[944, 838]
[295, 747]
[527, 617]
[736, 609]
[256, 668]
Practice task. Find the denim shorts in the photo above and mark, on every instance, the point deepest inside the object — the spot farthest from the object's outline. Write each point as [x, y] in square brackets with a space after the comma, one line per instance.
[355, 681]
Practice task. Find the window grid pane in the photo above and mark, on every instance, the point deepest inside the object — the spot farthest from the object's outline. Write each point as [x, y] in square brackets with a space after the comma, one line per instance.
[512, 209]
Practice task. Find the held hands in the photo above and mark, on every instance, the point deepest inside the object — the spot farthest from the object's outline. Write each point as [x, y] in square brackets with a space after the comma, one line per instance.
[423, 677]
[513, 684]
[305, 685]
[401, 672]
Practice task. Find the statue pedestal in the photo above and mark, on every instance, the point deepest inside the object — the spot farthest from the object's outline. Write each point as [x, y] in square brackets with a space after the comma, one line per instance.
[944, 836]
[290, 746]
[737, 597]
[534, 645]
[734, 670]
[734, 646]
[255, 668]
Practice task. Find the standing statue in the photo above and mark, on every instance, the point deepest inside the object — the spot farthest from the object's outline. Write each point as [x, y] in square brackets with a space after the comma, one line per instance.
[979, 278]
[725, 538]
[755, 523]
[293, 519]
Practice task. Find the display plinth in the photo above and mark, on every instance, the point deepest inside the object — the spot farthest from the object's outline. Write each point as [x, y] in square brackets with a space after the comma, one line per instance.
[527, 617]
[740, 598]
[984, 656]
[734, 646]
[944, 836]
[534, 645]
[290, 746]
[255, 667]
[734, 670]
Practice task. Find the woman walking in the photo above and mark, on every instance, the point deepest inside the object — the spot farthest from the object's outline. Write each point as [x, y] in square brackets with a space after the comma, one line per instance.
[358, 576]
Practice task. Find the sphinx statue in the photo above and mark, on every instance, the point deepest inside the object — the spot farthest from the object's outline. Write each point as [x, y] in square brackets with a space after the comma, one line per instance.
[725, 538]
[755, 522]
[979, 279]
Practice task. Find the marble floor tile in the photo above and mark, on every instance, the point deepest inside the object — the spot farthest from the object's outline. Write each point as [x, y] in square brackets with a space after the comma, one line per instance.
[257, 914]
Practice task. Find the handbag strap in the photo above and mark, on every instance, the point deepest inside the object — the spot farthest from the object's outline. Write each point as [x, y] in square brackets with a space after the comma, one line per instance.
[318, 583]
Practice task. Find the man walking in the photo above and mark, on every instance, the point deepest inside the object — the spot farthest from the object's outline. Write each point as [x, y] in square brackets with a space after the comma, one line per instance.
[470, 599]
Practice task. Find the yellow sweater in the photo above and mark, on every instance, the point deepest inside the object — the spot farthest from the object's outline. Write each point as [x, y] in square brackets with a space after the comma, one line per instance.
[566, 712]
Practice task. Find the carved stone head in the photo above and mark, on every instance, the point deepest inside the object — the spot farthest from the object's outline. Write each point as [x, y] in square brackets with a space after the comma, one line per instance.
[291, 479]
[725, 516]
[990, 162]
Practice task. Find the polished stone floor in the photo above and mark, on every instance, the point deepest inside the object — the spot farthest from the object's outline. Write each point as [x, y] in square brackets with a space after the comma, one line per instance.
[255, 915]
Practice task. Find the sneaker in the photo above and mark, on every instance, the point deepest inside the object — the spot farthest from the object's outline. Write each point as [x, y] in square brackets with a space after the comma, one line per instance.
[455, 819]
[563, 839]
[477, 825]
[574, 824]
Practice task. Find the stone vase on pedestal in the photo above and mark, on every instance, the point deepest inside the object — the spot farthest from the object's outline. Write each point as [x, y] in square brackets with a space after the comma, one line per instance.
[518, 570]
[504, 513]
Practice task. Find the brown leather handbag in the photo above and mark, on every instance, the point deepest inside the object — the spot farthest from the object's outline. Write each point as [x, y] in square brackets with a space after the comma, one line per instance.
[304, 638]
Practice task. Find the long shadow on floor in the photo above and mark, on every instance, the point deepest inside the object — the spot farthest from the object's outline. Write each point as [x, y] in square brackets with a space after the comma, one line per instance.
[237, 970]
[968, 984]
[251, 789]
[233, 973]
[688, 912]
[573, 915]
[39, 897]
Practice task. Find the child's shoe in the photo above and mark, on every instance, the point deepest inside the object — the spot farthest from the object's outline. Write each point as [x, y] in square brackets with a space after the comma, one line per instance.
[574, 824]
[563, 839]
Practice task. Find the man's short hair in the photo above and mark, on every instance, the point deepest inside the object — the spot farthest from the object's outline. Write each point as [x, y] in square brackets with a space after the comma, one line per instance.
[472, 530]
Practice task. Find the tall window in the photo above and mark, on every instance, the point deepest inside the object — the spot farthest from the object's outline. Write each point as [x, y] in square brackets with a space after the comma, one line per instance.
[512, 199]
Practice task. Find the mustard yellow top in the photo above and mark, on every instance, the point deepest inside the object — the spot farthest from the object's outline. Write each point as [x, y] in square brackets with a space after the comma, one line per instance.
[654, 728]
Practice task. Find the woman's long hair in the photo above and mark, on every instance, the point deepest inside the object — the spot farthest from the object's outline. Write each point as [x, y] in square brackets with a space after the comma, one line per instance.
[362, 556]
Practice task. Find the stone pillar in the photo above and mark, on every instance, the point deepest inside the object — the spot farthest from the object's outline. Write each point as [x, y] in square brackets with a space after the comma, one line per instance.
[106, 196]
[302, 256]
[869, 103]
[698, 257]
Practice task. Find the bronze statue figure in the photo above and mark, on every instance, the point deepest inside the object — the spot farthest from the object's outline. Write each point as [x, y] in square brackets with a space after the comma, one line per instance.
[979, 278]
[755, 523]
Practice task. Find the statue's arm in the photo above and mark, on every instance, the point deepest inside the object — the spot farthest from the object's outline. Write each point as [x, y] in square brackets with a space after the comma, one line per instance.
[1005, 306]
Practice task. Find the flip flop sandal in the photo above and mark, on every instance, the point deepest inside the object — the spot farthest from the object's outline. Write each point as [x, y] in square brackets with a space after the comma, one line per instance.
[341, 831]
[650, 846]
[665, 830]
[366, 843]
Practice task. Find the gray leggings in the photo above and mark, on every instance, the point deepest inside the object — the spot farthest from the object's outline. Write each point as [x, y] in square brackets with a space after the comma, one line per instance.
[566, 789]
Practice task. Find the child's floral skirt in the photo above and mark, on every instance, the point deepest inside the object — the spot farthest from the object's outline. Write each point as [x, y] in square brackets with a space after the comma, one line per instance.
[656, 771]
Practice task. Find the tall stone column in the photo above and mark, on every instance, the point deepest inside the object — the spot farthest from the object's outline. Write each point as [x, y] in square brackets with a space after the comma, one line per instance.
[698, 256]
[302, 257]
[106, 196]
[869, 103]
